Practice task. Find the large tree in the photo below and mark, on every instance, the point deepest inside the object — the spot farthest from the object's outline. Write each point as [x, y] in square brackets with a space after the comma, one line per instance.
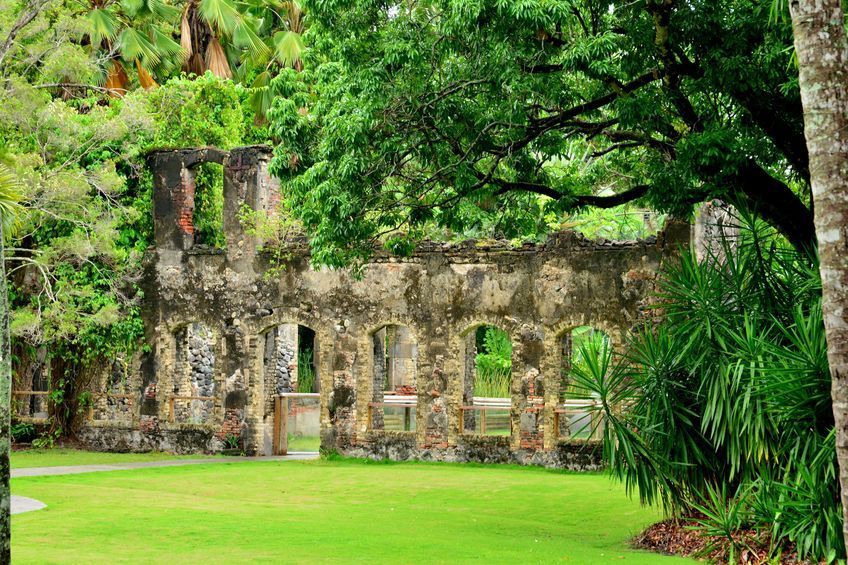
[822, 49]
[8, 203]
[448, 110]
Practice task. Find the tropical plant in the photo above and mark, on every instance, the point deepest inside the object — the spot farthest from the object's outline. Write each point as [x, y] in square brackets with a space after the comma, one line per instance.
[729, 394]
[493, 364]
[305, 371]
[232, 441]
[247, 41]
[136, 33]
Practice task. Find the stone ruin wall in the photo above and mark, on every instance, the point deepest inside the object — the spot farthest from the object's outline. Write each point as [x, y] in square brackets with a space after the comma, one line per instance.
[216, 306]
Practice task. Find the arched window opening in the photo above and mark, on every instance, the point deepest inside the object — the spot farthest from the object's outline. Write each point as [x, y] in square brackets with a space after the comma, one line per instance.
[393, 405]
[192, 400]
[583, 350]
[292, 383]
[487, 390]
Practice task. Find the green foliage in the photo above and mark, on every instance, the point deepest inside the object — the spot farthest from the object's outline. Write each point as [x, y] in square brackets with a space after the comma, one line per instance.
[729, 394]
[493, 376]
[305, 371]
[22, 432]
[496, 118]
[723, 516]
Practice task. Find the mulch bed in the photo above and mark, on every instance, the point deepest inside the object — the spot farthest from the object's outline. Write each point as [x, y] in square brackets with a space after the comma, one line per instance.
[677, 537]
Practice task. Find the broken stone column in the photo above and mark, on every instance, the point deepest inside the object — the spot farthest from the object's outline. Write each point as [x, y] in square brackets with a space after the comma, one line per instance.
[469, 370]
[342, 397]
[248, 186]
[715, 231]
[380, 376]
[530, 402]
[433, 400]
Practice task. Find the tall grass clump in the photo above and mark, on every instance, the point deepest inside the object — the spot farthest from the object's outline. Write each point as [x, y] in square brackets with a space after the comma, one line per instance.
[305, 371]
[494, 365]
[722, 410]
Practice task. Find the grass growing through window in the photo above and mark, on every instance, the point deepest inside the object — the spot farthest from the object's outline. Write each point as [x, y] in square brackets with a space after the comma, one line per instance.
[494, 365]
[305, 371]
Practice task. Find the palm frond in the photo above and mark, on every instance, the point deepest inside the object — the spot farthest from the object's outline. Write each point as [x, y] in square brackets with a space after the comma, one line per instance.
[185, 36]
[221, 15]
[144, 79]
[246, 37]
[288, 47]
[134, 44]
[104, 25]
[216, 60]
[10, 198]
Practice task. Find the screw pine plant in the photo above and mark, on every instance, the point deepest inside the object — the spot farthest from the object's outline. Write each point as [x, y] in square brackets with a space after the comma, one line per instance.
[729, 393]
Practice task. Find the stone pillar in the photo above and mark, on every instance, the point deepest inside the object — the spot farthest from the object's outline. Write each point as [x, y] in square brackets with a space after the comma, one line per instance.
[236, 375]
[342, 397]
[468, 372]
[433, 402]
[566, 351]
[529, 402]
[247, 182]
[380, 372]
[716, 230]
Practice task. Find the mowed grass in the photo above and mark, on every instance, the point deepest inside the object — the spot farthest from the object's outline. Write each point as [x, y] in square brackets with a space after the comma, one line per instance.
[64, 456]
[329, 511]
[303, 443]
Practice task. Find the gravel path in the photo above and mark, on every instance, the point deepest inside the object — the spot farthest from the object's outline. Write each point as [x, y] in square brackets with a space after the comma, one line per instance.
[77, 469]
[21, 504]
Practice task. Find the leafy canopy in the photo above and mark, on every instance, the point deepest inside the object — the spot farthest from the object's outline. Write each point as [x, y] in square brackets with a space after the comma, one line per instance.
[454, 113]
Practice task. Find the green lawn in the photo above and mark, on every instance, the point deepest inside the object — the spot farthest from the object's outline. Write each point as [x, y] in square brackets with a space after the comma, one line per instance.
[329, 511]
[303, 443]
[64, 456]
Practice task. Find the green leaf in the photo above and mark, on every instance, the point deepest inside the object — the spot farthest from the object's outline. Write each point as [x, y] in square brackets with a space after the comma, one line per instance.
[222, 15]
[163, 42]
[135, 45]
[103, 26]
[288, 47]
[245, 37]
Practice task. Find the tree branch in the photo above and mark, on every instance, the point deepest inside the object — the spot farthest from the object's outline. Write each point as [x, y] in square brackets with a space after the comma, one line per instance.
[32, 9]
[578, 201]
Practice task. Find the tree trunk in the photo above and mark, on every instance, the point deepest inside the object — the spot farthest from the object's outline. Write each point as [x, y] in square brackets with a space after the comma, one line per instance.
[5, 412]
[820, 45]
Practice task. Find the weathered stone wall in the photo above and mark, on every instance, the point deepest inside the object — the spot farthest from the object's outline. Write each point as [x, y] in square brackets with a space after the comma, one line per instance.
[439, 295]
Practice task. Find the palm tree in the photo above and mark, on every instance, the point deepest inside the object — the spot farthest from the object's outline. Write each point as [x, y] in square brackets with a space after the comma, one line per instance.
[8, 208]
[207, 26]
[136, 33]
[286, 29]
[243, 40]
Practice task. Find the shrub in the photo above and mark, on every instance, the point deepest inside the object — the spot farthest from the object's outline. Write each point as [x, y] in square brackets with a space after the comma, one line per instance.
[730, 393]
[22, 432]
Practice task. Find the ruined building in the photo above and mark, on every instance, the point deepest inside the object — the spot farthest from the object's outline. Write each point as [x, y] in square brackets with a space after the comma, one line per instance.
[392, 352]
